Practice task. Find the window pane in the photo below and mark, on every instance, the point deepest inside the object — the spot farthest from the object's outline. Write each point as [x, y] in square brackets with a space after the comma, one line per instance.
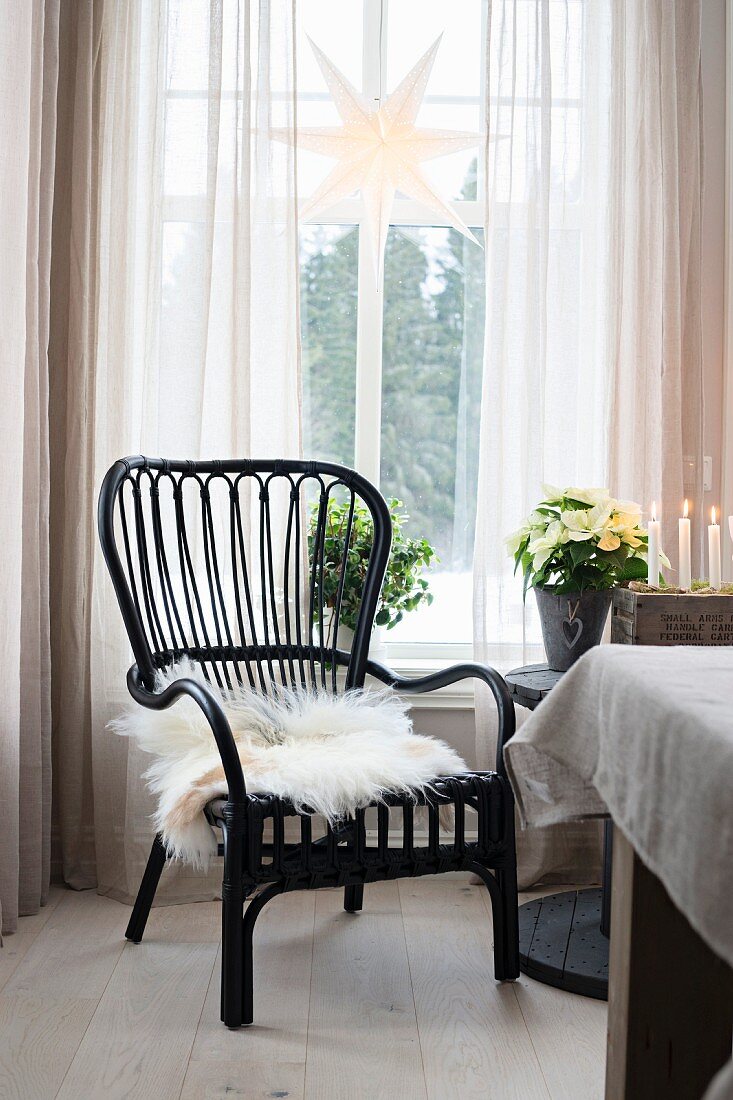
[413, 27]
[336, 28]
[431, 395]
[328, 274]
[454, 175]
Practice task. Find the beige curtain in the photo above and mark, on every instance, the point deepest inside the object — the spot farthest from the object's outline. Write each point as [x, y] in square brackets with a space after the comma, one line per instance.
[72, 409]
[177, 330]
[655, 336]
[544, 406]
[28, 76]
[592, 359]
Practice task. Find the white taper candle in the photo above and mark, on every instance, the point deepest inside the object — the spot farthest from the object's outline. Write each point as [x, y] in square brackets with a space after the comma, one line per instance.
[685, 573]
[714, 551]
[653, 548]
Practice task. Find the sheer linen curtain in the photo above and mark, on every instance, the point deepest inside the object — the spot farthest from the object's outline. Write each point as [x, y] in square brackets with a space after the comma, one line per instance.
[28, 76]
[655, 334]
[592, 371]
[185, 339]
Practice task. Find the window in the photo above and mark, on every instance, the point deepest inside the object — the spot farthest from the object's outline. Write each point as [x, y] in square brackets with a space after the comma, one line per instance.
[392, 377]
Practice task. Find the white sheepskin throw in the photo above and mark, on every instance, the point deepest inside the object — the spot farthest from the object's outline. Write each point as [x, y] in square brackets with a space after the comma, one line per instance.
[331, 754]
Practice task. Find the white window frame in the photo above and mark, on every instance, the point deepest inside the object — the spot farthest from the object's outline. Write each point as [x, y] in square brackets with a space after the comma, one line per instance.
[408, 657]
[421, 656]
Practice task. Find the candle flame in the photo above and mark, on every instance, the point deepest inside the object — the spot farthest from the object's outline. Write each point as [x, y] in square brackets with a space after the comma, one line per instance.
[686, 509]
[712, 513]
[654, 511]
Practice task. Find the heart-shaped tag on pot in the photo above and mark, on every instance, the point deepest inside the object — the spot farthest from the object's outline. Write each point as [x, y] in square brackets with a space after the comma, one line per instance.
[572, 629]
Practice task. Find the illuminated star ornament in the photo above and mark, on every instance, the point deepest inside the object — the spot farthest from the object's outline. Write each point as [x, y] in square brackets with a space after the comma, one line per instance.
[379, 151]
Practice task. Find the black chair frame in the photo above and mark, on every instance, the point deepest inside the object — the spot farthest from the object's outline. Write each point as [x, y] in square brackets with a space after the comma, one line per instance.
[278, 635]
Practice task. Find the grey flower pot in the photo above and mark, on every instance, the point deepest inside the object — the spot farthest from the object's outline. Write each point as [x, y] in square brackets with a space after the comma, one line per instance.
[572, 623]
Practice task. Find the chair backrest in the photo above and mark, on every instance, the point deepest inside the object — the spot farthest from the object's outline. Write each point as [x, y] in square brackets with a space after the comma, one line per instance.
[231, 563]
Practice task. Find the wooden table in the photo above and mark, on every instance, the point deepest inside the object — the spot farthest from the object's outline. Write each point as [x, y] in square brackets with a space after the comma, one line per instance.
[648, 732]
[563, 937]
[659, 963]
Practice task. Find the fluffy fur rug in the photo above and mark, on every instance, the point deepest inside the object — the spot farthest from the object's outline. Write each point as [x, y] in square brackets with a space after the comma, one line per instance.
[332, 754]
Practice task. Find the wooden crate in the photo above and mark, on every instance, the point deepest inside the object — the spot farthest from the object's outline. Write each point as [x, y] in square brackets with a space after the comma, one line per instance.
[650, 618]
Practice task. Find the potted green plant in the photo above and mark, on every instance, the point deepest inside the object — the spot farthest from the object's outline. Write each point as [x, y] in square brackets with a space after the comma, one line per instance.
[573, 549]
[404, 589]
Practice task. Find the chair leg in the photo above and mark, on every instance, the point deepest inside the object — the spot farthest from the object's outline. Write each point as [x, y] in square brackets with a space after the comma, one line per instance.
[353, 898]
[251, 914]
[146, 893]
[507, 879]
[502, 889]
[232, 931]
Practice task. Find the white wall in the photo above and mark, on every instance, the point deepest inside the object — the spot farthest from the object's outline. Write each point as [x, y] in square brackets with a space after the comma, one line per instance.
[457, 727]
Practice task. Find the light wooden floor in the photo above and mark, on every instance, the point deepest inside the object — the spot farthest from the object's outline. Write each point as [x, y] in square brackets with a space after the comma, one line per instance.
[398, 1001]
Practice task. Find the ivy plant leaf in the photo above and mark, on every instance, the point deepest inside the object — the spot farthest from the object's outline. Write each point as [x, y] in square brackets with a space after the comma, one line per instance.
[345, 566]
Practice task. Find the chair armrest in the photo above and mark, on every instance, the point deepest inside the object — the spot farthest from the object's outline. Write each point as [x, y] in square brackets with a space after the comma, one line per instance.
[446, 676]
[211, 707]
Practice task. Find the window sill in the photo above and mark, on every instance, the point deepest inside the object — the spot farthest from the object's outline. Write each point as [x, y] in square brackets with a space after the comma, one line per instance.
[420, 660]
[458, 696]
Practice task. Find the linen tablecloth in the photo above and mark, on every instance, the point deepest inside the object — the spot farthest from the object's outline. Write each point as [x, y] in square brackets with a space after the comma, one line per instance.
[646, 734]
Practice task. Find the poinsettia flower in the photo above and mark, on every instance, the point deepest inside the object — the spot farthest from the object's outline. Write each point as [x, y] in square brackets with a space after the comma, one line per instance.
[553, 495]
[513, 541]
[544, 543]
[541, 556]
[609, 541]
[585, 523]
[588, 496]
[626, 526]
[588, 516]
[629, 508]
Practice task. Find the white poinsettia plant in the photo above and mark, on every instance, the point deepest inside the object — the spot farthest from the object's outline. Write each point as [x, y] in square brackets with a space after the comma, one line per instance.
[580, 539]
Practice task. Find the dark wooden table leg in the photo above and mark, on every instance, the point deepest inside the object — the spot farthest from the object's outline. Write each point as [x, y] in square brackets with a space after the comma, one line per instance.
[670, 1000]
[607, 874]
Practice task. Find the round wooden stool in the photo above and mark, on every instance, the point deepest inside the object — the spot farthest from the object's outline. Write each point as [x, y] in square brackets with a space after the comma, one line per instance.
[563, 938]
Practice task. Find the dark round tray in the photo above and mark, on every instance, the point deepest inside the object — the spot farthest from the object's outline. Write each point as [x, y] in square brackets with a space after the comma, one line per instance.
[561, 943]
[560, 937]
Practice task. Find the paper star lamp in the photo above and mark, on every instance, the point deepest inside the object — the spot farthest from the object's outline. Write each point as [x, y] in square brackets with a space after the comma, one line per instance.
[379, 151]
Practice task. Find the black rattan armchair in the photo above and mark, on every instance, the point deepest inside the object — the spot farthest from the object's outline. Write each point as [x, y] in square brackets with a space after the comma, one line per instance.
[252, 612]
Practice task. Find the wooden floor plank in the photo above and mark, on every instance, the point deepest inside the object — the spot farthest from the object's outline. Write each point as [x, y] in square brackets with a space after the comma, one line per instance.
[474, 1041]
[568, 1032]
[196, 922]
[15, 946]
[246, 1078]
[76, 950]
[334, 1006]
[38, 1039]
[362, 1031]
[270, 1055]
[140, 1037]
[49, 999]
